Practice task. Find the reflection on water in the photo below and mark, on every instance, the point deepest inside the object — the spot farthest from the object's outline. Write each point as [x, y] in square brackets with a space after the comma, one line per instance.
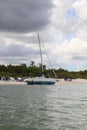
[56, 107]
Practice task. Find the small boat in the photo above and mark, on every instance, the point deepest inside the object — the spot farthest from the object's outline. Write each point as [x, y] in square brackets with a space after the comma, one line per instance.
[40, 80]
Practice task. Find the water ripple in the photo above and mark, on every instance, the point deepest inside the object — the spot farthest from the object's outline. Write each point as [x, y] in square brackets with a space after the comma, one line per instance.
[43, 107]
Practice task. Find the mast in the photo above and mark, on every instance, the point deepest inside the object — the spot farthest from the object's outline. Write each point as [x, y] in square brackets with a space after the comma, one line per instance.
[40, 54]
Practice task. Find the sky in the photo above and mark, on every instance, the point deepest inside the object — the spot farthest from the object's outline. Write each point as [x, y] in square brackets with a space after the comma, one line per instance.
[61, 24]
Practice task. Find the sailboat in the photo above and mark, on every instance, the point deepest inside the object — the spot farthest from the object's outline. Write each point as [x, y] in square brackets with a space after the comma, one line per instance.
[42, 80]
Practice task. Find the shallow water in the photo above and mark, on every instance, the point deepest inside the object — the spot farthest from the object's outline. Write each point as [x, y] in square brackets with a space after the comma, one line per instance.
[58, 107]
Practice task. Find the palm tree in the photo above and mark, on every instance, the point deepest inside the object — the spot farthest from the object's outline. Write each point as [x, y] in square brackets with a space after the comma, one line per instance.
[32, 63]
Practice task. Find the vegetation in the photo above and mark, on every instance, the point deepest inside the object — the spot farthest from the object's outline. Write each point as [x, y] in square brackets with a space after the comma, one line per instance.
[32, 70]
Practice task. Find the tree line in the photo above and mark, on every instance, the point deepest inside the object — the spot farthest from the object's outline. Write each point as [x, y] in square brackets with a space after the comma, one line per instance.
[23, 70]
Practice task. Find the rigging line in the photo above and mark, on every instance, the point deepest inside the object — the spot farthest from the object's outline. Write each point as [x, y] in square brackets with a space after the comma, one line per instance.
[49, 61]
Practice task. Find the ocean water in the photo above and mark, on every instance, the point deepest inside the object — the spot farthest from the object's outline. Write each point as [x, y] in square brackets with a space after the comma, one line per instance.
[57, 107]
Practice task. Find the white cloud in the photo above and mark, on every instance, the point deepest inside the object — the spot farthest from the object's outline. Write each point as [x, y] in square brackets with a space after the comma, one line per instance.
[73, 53]
[81, 8]
[63, 22]
[63, 33]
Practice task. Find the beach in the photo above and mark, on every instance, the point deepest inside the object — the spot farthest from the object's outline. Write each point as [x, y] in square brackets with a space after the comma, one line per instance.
[60, 81]
[73, 81]
[12, 83]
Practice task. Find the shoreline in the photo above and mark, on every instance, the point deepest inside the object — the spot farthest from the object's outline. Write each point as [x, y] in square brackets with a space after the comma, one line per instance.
[12, 83]
[60, 82]
[74, 81]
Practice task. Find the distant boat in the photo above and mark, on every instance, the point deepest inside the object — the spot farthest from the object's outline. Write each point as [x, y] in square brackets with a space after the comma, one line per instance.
[40, 80]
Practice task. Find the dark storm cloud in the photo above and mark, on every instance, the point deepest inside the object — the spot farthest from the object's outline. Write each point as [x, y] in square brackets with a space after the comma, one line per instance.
[24, 15]
[16, 51]
[22, 38]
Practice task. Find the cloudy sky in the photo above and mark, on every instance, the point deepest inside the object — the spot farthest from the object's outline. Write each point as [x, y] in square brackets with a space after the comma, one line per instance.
[62, 25]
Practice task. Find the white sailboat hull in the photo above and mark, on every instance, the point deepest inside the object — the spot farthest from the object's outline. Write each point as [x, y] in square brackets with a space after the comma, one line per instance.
[40, 81]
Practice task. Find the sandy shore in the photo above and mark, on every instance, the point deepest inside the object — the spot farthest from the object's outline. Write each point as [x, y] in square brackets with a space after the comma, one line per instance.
[12, 82]
[74, 81]
[60, 81]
